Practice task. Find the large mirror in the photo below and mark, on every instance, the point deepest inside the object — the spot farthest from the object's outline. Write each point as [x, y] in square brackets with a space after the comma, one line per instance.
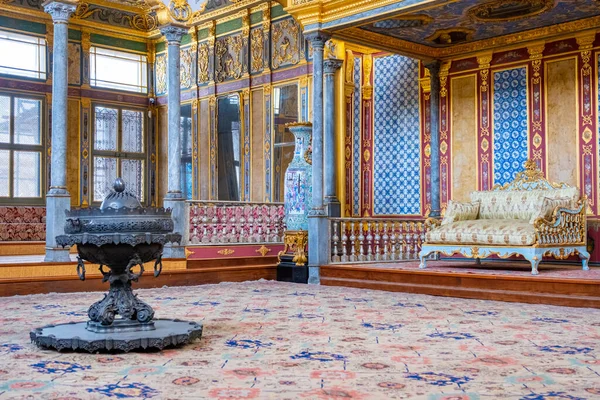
[229, 147]
[285, 110]
[185, 130]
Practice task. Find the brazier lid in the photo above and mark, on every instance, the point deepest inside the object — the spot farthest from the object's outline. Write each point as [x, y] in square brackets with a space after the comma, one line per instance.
[119, 198]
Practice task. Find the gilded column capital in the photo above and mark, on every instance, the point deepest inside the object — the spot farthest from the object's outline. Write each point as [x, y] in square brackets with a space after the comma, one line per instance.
[586, 42]
[60, 10]
[536, 50]
[86, 102]
[484, 60]
[445, 68]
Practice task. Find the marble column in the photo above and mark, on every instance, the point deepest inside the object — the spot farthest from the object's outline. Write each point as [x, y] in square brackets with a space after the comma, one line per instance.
[174, 198]
[330, 162]
[58, 199]
[434, 73]
[318, 232]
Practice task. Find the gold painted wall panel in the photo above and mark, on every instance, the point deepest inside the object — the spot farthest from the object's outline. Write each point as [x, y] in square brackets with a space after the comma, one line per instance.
[163, 154]
[203, 150]
[561, 112]
[73, 125]
[464, 136]
[257, 160]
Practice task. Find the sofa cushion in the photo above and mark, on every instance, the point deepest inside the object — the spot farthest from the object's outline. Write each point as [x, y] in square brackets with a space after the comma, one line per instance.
[508, 204]
[457, 211]
[514, 232]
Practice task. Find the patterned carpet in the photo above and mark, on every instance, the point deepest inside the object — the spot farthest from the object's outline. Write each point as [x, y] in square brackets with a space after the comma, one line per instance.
[270, 340]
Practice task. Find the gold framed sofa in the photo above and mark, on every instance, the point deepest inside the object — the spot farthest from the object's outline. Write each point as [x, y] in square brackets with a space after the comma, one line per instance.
[530, 216]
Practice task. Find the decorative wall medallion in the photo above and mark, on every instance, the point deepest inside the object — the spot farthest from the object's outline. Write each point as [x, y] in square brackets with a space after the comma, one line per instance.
[508, 10]
[203, 63]
[257, 49]
[228, 55]
[447, 37]
[286, 37]
[226, 252]
[161, 74]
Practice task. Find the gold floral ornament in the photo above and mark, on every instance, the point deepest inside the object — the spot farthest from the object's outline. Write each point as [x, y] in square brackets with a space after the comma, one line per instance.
[180, 10]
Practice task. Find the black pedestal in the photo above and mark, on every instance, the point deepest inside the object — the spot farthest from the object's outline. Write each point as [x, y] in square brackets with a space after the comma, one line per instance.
[288, 271]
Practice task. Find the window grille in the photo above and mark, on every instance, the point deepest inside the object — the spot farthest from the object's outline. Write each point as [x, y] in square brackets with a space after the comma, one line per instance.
[118, 150]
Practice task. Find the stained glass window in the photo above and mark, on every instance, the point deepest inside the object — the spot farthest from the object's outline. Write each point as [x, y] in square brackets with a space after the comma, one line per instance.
[118, 150]
[21, 149]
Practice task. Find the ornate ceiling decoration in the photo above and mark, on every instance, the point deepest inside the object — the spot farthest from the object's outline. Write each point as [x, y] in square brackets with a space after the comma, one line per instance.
[449, 25]
[509, 10]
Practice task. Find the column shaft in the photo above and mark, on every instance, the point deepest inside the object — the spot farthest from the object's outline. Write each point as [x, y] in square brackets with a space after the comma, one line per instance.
[58, 199]
[174, 198]
[318, 232]
[330, 173]
[434, 72]
[174, 35]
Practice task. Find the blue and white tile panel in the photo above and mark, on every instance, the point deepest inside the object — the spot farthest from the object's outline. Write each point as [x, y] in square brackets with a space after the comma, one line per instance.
[510, 123]
[397, 137]
[356, 136]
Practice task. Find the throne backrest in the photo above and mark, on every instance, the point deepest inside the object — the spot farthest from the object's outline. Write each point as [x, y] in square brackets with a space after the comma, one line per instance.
[523, 197]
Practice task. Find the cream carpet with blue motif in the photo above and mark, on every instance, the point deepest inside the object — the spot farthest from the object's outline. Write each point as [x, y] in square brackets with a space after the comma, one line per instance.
[270, 340]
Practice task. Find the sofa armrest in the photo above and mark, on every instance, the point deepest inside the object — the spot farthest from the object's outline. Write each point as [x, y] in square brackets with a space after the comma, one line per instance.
[566, 226]
[432, 223]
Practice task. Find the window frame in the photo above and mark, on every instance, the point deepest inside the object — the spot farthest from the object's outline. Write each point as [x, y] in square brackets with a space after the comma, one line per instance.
[119, 154]
[12, 147]
[43, 64]
[133, 88]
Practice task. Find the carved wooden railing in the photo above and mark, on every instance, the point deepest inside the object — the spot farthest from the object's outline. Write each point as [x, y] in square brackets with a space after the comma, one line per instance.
[359, 240]
[214, 222]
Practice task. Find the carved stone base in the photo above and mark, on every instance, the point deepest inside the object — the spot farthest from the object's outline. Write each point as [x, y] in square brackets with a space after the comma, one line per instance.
[77, 337]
